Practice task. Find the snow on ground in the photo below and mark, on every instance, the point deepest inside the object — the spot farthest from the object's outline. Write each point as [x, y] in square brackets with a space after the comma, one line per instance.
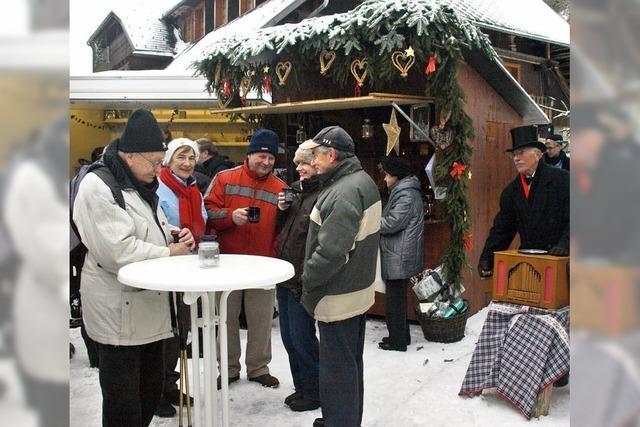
[416, 388]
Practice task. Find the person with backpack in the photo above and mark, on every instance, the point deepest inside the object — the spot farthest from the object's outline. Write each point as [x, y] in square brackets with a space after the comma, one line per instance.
[128, 324]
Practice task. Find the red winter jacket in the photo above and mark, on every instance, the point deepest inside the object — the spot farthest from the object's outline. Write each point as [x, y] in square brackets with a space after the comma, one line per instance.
[239, 188]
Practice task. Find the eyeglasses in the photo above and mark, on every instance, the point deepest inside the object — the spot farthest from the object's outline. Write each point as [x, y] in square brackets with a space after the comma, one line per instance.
[155, 164]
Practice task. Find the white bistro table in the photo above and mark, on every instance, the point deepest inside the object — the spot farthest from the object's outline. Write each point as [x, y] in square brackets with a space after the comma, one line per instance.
[183, 274]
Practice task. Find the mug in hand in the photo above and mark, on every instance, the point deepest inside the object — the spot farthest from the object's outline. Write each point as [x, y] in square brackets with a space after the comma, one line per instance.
[253, 212]
[288, 195]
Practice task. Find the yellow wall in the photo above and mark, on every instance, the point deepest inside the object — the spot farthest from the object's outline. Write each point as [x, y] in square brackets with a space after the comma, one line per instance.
[84, 138]
[231, 138]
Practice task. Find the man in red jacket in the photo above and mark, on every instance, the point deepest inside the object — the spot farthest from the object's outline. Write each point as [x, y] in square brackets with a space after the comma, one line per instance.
[230, 194]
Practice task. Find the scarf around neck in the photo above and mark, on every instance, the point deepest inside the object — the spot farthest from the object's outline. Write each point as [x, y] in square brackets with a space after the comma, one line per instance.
[190, 202]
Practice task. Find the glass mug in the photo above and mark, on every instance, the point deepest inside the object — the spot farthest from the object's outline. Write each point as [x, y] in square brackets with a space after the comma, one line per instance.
[208, 252]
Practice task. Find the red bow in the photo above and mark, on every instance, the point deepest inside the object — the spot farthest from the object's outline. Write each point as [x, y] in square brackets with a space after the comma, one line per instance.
[226, 87]
[457, 170]
[431, 66]
[267, 84]
[467, 242]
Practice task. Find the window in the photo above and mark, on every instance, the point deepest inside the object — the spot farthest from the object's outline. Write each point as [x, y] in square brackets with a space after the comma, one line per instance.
[194, 24]
[513, 69]
[220, 13]
[246, 6]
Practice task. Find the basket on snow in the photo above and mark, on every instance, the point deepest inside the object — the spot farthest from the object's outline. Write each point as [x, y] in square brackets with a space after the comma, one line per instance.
[446, 330]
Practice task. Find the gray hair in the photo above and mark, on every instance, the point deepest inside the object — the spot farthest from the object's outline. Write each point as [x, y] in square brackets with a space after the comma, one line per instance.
[205, 144]
[340, 155]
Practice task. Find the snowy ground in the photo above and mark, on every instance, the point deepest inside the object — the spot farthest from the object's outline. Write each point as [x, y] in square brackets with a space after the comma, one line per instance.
[416, 388]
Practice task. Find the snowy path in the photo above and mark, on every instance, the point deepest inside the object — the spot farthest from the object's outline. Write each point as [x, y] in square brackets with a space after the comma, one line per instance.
[401, 390]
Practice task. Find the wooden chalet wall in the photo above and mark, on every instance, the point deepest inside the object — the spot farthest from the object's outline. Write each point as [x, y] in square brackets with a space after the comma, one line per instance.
[491, 168]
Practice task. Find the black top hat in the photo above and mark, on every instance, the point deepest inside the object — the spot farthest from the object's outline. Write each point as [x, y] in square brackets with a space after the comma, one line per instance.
[525, 136]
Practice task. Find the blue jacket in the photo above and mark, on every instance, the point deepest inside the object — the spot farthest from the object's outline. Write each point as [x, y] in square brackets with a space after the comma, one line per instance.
[169, 202]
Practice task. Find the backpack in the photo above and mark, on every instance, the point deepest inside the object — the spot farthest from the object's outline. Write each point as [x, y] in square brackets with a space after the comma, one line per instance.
[77, 250]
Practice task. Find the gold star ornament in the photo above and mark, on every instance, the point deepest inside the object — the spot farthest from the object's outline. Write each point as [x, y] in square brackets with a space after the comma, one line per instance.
[265, 69]
[409, 52]
[393, 133]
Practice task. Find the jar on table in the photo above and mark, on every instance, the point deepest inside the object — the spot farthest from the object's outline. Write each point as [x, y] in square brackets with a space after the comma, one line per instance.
[209, 252]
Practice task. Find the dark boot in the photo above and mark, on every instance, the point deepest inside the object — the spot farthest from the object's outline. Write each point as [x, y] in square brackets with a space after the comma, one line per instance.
[302, 405]
[293, 396]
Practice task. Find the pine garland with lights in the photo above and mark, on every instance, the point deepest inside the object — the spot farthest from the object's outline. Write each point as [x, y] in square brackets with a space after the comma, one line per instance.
[373, 30]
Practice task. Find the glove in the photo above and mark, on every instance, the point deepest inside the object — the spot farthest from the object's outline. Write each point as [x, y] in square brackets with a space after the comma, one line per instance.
[484, 270]
[559, 251]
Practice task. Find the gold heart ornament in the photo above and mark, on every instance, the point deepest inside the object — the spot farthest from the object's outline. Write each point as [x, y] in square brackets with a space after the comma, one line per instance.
[442, 137]
[282, 71]
[224, 100]
[402, 61]
[363, 66]
[326, 59]
[245, 85]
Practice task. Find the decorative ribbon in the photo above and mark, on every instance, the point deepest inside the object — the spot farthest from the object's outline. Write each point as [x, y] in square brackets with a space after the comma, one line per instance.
[467, 242]
[431, 66]
[267, 84]
[457, 170]
[226, 87]
[356, 90]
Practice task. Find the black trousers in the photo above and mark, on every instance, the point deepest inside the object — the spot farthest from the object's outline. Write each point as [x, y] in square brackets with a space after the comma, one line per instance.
[395, 304]
[342, 371]
[131, 382]
[171, 376]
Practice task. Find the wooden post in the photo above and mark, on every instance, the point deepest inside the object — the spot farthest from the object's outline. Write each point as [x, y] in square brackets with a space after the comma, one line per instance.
[544, 400]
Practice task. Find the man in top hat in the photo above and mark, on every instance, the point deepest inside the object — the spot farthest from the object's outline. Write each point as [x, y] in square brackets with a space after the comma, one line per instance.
[535, 204]
[231, 192]
[554, 155]
[128, 325]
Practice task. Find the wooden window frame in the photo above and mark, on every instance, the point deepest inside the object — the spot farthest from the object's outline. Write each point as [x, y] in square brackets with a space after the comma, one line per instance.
[224, 20]
[251, 4]
[513, 68]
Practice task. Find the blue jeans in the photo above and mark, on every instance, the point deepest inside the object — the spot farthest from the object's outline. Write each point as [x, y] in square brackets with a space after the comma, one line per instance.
[298, 332]
[342, 371]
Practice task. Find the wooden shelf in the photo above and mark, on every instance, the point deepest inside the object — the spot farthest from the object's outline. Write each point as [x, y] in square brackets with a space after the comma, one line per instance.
[232, 144]
[215, 120]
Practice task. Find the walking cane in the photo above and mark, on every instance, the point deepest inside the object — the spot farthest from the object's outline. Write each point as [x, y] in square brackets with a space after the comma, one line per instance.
[183, 330]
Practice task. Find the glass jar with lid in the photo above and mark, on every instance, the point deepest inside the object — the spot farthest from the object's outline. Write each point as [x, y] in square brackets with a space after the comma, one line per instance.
[209, 252]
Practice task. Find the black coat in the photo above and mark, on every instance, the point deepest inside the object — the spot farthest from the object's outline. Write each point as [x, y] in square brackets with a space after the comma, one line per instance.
[293, 226]
[542, 220]
[562, 158]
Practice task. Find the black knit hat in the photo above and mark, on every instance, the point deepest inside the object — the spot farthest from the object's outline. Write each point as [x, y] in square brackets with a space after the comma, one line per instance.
[263, 141]
[397, 167]
[142, 134]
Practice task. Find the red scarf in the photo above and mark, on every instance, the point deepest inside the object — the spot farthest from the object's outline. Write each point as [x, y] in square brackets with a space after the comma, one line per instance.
[190, 203]
[525, 187]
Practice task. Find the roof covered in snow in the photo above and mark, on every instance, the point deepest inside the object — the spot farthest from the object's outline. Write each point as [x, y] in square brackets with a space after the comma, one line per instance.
[528, 18]
[267, 14]
[141, 22]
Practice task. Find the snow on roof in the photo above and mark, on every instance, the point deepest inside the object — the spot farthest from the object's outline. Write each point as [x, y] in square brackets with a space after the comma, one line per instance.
[528, 18]
[266, 14]
[141, 22]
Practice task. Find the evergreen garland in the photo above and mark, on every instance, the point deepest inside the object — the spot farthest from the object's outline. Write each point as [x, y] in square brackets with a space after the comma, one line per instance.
[373, 30]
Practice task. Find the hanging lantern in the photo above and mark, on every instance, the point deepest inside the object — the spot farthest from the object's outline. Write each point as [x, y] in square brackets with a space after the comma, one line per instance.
[301, 135]
[367, 129]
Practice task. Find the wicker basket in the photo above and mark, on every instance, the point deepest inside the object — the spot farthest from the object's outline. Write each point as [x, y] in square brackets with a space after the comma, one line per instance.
[447, 330]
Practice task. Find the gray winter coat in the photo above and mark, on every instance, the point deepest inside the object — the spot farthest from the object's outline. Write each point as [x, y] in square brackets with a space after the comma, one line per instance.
[401, 231]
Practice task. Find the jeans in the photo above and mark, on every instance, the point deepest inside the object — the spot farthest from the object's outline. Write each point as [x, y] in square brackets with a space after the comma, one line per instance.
[131, 382]
[342, 371]
[395, 305]
[298, 332]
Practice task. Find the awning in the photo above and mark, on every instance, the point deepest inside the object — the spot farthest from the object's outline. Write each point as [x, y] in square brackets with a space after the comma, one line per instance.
[374, 99]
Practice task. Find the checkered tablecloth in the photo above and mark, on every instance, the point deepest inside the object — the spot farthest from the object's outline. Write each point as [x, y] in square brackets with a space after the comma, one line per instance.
[520, 351]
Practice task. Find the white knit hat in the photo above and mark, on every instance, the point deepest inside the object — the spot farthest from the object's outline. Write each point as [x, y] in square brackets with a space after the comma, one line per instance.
[177, 143]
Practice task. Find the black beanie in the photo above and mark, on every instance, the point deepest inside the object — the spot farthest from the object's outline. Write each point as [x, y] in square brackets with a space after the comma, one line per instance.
[397, 167]
[142, 134]
[263, 141]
